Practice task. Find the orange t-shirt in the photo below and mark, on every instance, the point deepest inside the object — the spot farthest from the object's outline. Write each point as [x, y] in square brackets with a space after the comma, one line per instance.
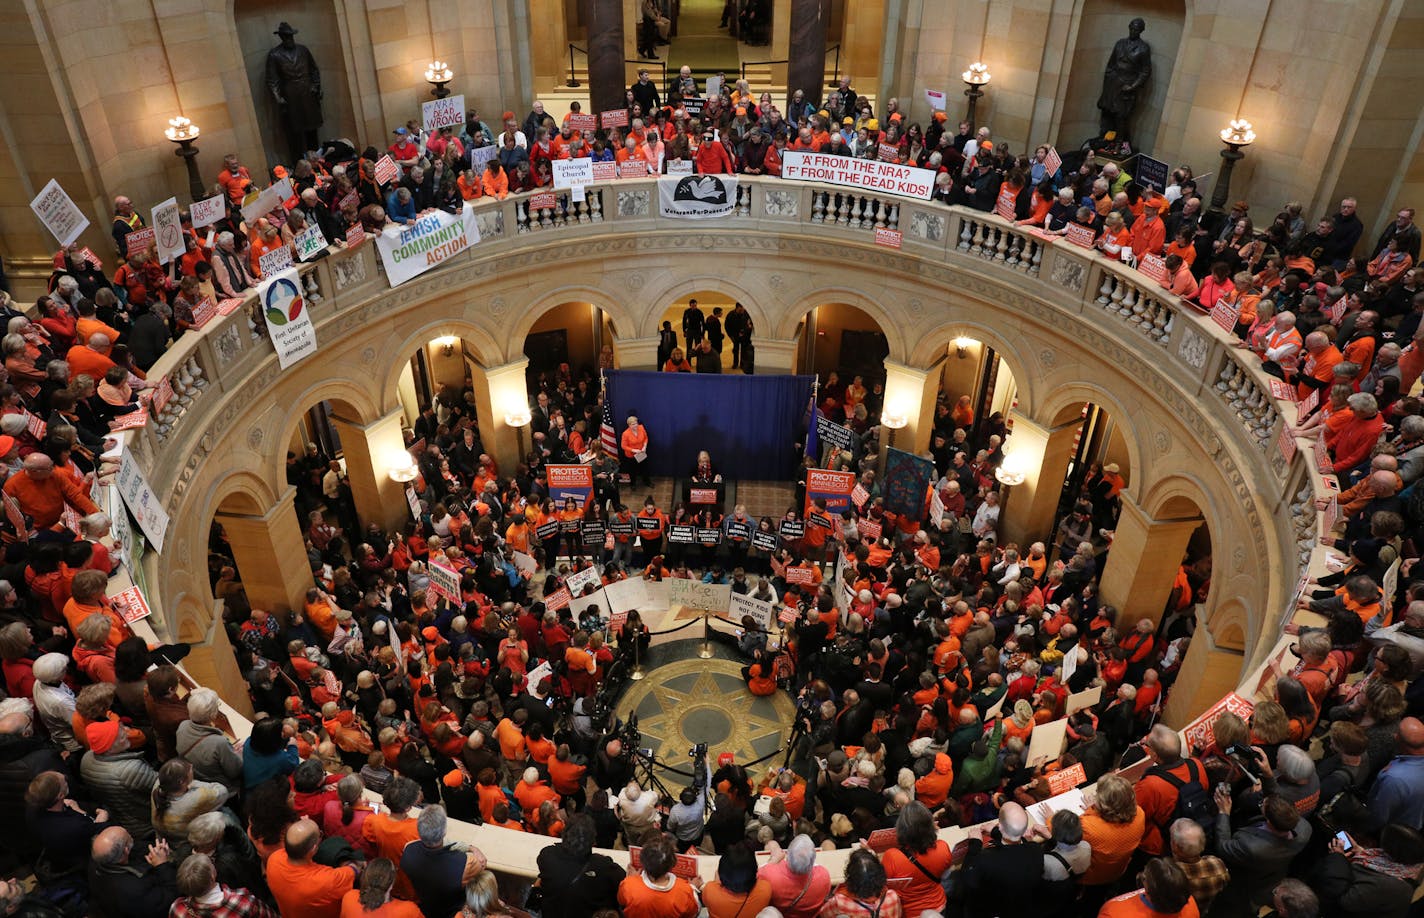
[390, 836]
[639, 900]
[308, 890]
[395, 908]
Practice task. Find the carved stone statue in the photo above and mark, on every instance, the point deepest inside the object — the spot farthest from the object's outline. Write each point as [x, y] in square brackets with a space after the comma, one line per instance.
[295, 84]
[1128, 70]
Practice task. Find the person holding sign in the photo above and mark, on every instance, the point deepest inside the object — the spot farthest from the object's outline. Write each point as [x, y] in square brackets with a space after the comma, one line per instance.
[651, 522]
[634, 445]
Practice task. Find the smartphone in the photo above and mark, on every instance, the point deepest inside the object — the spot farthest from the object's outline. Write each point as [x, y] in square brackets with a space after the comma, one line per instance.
[1343, 838]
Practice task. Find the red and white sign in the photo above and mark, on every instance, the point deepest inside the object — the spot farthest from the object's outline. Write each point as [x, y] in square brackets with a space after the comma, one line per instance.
[1079, 235]
[129, 421]
[799, 575]
[1287, 443]
[1199, 732]
[1323, 463]
[1065, 779]
[544, 200]
[787, 615]
[605, 172]
[230, 305]
[204, 311]
[138, 241]
[869, 530]
[889, 153]
[559, 599]
[1005, 205]
[1337, 312]
[859, 496]
[386, 170]
[869, 174]
[618, 117]
[1283, 390]
[351, 199]
[1309, 403]
[684, 865]
[36, 426]
[584, 124]
[163, 394]
[889, 238]
[936, 99]
[208, 211]
[1154, 267]
[442, 113]
[881, 840]
[703, 496]
[444, 582]
[131, 605]
[1225, 314]
[355, 235]
[1052, 162]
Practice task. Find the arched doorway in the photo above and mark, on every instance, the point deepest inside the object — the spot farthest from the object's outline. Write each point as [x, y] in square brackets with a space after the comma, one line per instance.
[845, 340]
[317, 468]
[712, 305]
[575, 335]
[975, 369]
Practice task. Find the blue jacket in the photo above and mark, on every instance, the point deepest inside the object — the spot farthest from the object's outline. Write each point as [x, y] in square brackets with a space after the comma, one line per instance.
[397, 212]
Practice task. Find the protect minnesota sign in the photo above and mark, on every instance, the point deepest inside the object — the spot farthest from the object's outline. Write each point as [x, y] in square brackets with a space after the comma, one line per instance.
[434, 238]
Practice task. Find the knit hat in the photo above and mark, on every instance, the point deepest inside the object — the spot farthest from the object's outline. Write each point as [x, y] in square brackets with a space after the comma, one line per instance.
[873, 125]
[454, 778]
[6, 444]
[102, 736]
[50, 667]
[940, 116]
[430, 633]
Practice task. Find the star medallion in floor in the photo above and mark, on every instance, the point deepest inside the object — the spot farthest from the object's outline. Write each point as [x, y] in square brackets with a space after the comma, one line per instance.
[695, 701]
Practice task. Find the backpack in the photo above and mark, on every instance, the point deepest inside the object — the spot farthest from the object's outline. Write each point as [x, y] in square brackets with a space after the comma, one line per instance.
[1193, 800]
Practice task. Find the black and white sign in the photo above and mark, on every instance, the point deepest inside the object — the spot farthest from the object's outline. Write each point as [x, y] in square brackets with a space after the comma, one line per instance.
[697, 197]
[682, 535]
[1151, 173]
[792, 529]
[837, 435]
[764, 541]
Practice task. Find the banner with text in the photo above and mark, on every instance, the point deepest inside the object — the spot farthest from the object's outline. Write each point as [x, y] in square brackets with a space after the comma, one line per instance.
[139, 498]
[409, 251]
[697, 197]
[289, 322]
[567, 481]
[831, 486]
[445, 583]
[441, 113]
[58, 213]
[871, 175]
[168, 231]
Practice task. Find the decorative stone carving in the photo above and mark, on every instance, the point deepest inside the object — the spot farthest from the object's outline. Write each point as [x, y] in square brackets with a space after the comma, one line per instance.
[1048, 358]
[927, 226]
[1162, 442]
[1193, 349]
[228, 344]
[498, 306]
[634, 203]
[1070, 274]
[368, 356]
[254, 438]
[491, 223]
[349, 271]
[635, 282]
[776, 282]
[916, 305]
[781, 203]
[1238, 559]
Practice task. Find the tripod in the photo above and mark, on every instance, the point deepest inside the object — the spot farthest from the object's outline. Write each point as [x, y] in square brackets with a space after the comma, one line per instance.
[643, 765]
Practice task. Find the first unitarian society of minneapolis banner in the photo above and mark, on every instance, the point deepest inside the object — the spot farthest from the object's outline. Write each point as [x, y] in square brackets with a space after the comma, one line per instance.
[434, 238]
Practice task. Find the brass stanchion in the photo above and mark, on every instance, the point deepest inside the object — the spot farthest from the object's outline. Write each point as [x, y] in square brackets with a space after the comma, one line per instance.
[705, 651]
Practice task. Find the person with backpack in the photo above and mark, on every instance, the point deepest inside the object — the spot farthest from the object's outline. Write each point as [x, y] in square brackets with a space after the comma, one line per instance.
[1173, 788]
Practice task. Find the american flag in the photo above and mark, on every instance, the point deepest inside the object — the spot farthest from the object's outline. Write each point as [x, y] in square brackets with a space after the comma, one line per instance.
[607, 433]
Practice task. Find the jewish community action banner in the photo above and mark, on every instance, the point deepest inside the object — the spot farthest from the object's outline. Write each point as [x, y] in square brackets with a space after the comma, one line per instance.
[436, 237]
[697, 197]
[869, 174]
[289, 323]
[831, 486]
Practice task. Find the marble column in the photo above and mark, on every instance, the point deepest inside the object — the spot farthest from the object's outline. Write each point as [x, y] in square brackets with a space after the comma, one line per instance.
[270, 554]
[1209, 671]
[604, 19]
[1042, 454]
[807, 51]
[910, 392]
[370, 451]
[636, 353]
[500, 391]
[1142, 563]
[212, 664]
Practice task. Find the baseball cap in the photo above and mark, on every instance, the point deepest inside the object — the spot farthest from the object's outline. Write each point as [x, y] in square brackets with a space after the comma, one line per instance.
[102, 735]
[847, 121]
[454, 778]
[401, 131]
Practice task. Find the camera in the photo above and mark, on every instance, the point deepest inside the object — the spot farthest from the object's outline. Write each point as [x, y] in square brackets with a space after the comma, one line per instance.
[1244, 758]
[697, 752]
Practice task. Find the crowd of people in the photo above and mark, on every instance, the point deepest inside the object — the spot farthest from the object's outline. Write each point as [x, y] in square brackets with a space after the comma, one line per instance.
[921, 659]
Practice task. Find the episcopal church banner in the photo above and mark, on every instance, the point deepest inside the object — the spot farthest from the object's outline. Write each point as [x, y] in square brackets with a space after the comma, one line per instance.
[435, 237]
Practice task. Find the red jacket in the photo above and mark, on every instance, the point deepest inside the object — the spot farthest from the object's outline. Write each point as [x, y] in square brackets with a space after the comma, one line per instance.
[1355, 440]
[712, 157]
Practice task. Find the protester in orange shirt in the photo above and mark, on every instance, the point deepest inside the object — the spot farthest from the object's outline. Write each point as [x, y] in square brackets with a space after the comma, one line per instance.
[655, 892]
[43, 491]
[634, 443]
[391, 832]
[235, 179]
[373, 899]
[1165, 893]
[302, 888]
[87, 598]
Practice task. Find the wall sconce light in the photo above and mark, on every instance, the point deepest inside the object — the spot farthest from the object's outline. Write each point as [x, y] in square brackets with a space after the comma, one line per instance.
[519, 418]
[437, 75]
[183, 133]
[893, 420]
[976, 77]
[961, 346]
[403, 468]
[446, 343]
[1011, 471]
[1236, 135]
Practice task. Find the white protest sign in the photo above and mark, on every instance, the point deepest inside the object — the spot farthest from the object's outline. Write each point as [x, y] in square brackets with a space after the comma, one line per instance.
[1046, 742]
[870, 174]
[409, 251]
[584, 578]
[168, 231]
[139, 498]
[569, 173]
[58, 213]
[480, 157]
[1084, 699]
[289, 323]
[267, 200]
[694, 594]
[444, 582]
[441, 113]
[935, 98]
[207, 212]
[310, 243]
[626, 595]
[714, 87]
[760, 610]
[275, 261]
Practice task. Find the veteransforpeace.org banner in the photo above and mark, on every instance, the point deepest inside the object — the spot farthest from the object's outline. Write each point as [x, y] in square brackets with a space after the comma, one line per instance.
[697, 197]
[436, 237]
[870, 174]
[289, 323]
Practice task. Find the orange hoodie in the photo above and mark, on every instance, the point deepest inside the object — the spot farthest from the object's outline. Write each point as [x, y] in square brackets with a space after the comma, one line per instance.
[933, 789]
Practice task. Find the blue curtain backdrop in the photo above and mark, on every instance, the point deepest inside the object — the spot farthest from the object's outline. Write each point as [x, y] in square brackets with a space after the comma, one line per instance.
[749, 424]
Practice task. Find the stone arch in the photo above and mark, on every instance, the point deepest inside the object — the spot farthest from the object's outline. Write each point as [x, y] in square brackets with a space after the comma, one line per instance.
[933, 344]
[346, 395]
[791, 321]
[240, 492]
[394, 356]
[1229, 622]
[1064, 402]
[663, 297]
[625, 323]
[1177, 496]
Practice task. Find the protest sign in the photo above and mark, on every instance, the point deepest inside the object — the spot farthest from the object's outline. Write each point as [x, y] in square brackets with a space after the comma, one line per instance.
[289, 323]
[837, 435]
[204, 311]
[1199, 734]
[889, 238]
[1309, 403]
[760, 611]
[139, 497]
[571, 172]
[1052, 162]
[680, 167]
[907, 483]
[129, 421]
[618, 117]
[131, 604]
[1005, 204]
[1151, 173]
[559, 599]
[859, 496]
[1081, 236]
[386, 170]
[584, 124]
[764, 541]
[605, 172]
[935, 98]
[207, 211]
[1283, 390]
[1084, 699]
[868, 174]
[577, 582]
[435, 238]
[697, 197]
[266, 200]
[138, 241]
[544, 200]
[694, 594]
[443, 113]
[1286, 443]
[1060, 782]
[567, 481]
[791, 530]
[869, 530]
[1046, 742]
[888, 153]
[58, 213]
[310, 243]
[800, 576]
[168, 231]
[881, 840]
[480, 157]
[832, 486]
[625, 595]
[709, 536]
[444, 582]
[1154, 267]
[1225, 314]
[276, 261]
[355, 235]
